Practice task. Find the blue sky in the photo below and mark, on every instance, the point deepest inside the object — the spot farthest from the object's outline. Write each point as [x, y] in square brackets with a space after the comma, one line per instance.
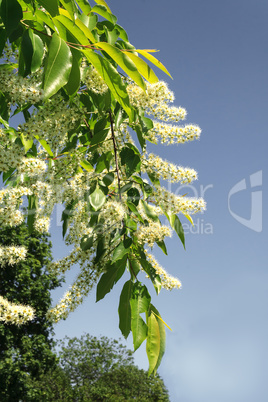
[216, 52]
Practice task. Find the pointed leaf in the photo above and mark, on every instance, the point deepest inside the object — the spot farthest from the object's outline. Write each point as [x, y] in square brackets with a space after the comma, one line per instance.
[32, 48]
[153, 342]
[177, 226]
[140, 301]
[143, 68]
[123, 61]
[102, 10]
[151, 272]
[149, 211]
[112, 79]
[52, 6]
[153, 60]
[162, 332]
[57, 67]
[11, 13]
[109, 278]
[70, 6]
[103, 3]
[124, 309]
[84, 5]
[97, 198]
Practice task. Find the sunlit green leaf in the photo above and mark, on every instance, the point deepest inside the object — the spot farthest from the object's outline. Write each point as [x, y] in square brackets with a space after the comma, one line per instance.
[57, 67]
[153, 342]
[97, 198]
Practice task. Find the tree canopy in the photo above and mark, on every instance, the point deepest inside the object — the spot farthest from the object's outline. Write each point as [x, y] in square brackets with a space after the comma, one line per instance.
[99, 369]
[26, 350]
[90, 104]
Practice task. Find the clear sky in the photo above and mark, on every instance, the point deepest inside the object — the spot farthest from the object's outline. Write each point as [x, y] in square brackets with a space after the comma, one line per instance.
[216, 52]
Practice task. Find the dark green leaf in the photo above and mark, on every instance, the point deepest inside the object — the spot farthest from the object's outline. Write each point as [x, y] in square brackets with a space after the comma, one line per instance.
[121, 250]
[32, 205]
[131, 160]
[52, 6]
[110, 277]
[11, 13]
[177, 226]
[151, 272]
[162, 245]
[32, 48]
[133, 196]
[86, 243]
[108, 179]
[124, 309]
[66, 214]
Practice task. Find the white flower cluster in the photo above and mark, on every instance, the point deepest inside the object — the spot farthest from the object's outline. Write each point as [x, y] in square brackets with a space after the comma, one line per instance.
[85, 281]
[166, 170]
[170, 134]
[32, 166]
[52, 122]
[10, 153]
[94, 81]
[155, 101]
[176, 204]
[11, 313]
[12, 254]
[20, 90]
[152, 233]
[112, 213]
[168, 282]
[42, 224]
[10, 200]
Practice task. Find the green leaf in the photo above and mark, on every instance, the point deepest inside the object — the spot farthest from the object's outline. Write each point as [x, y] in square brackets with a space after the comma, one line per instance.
[58, 66]
[11, 13]
[110, 277]
[108, 179]
[84, 5]
[133, 196]
[52, 6]
[87, 166]
[66, 214]
[143, 68]
[102, 10]
[123, 61]
[86, 243]
[26, 143]
[73, 83]
[73, 29]
[86, 31]
[103, 3]
[122, 32]
[133, 208]
[46, 18]
[45, 146]
[131, 161]
[32, 206]
[70, 6]
[98, 138]
[32, 49]
[104, 162]
[162, 332]
[153, 60]
[162, 245]
[124, 309]
[151, 272]
[97, 198]
[153, 342]
[139, 302]
[149, 211]
[112, 79]
[177, 226]
[120, 252]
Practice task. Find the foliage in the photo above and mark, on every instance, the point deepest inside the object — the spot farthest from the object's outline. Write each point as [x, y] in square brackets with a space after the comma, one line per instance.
[26, 350]
[93, 369]
[91, 103]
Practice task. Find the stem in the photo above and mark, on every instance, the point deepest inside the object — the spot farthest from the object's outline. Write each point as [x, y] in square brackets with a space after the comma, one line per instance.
[115, 154]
